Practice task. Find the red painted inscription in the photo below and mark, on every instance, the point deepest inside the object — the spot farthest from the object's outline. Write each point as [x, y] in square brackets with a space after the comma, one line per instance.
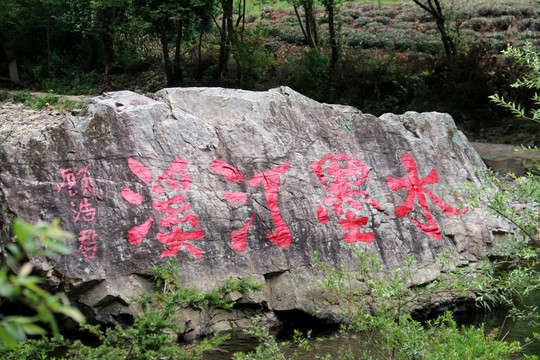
[269, 179]
[79, 186]
[415, 189]
[175, 207]
[346, 175]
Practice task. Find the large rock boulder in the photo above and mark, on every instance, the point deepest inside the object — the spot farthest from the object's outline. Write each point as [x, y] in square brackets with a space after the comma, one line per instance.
[229, 183]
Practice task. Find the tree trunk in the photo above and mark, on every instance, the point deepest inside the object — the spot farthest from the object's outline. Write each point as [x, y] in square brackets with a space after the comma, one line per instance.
[241, 18]
[311, 24]
[199, 55]
[108, 53]
[177, 71]
[165, 51]
[49, 66]
[107, 17]
[310, 29]
[4, 63]
[448, 42]
[226, 37]
[228, 15]
[433, 7]
[330, 7]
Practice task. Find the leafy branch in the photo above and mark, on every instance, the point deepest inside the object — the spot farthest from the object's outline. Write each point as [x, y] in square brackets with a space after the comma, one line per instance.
[529, 58]
[19, 284]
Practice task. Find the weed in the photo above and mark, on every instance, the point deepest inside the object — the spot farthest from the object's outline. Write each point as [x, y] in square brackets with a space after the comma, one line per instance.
[39, 102]
[153, 334]
[22, 96]
[66, 104]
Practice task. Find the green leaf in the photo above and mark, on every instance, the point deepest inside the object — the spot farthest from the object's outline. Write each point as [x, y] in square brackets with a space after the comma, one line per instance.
[7, 338]
[36, 289]
[22, 230]
[33, 329]
[26, 269]
[73, 313]
[58, 247]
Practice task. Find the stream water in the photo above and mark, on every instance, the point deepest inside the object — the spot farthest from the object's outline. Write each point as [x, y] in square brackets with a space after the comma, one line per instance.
[495, 321]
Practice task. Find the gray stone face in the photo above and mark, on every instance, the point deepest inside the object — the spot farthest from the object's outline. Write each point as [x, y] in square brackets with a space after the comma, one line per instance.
[505, 159]
[231, 183]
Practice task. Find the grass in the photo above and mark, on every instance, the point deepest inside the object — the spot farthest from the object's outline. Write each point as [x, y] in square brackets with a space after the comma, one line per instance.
[49, 100]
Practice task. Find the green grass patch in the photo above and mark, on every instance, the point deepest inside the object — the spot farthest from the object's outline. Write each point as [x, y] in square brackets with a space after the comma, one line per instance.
[40, 102]
[4, 94]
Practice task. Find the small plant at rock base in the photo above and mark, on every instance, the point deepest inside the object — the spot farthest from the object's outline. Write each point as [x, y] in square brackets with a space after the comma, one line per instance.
[269, 347]
[174, 295]
[36, 102]
[166, 277]
[154, 334]
[383, 326]
[385, 322]
[509, 273]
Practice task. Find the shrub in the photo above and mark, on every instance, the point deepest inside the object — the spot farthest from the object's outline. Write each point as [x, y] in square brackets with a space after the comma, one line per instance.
[4, 94]
[355, 14]
[361, 21]
[253, 61]
[529, 35]
[39, 102]
[310, 75]
[476, 23]
[529, 58]
[409, 16]
[385, 20]
[501, 8]
[153, 334]
[428, 45]
[351, 38]
[19, 285]
[502, 23]
[22, 96]
[404, 42]
[384, 328]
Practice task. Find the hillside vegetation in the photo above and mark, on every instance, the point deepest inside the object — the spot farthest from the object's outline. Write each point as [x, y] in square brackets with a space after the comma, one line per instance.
[391, 56]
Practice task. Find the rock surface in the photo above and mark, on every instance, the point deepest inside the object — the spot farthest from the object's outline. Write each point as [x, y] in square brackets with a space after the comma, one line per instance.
[230, 183]
[503, 158]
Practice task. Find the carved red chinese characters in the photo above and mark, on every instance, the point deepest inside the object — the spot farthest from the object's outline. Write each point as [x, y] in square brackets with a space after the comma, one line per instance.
[79, 184]
[343, 187]
[87, 243]
[269, 179]
[342, 175]
[175, 207]
[415, 189]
